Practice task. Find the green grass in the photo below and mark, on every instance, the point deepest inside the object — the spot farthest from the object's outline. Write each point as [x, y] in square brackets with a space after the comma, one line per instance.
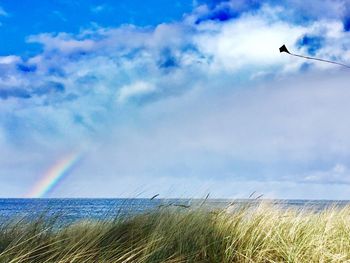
[259, 233]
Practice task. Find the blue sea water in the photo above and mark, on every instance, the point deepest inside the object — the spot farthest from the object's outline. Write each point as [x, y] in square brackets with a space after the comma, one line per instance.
[71, 210]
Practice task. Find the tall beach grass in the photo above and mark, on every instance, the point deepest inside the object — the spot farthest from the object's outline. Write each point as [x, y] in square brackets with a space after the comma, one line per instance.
[261, 232]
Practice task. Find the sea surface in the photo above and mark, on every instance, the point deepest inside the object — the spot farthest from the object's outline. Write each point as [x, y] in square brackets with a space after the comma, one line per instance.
[71, 210]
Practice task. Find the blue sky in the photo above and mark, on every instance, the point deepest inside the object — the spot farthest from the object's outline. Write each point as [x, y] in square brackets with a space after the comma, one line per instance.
[179, 98]
[34, 17]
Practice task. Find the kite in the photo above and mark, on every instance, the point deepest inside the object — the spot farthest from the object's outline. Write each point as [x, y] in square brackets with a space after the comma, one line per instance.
[284, 49]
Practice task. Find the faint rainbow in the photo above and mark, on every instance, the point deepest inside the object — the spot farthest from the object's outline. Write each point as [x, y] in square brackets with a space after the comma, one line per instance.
[54, 175]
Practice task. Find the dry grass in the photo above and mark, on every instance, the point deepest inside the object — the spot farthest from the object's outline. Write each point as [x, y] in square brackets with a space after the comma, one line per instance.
[262, 233]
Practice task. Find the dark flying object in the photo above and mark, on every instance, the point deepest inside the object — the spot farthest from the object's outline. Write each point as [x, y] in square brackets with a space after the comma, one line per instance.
[285, 49]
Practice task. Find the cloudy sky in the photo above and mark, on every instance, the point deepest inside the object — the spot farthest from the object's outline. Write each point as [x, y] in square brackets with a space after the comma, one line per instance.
[179, 98]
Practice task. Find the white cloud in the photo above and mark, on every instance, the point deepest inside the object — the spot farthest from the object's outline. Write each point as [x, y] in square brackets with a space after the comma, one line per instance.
[338, 174]
[250, 41]
[100, 8]
[319, 9]
[222, 106]
[257, 137]
[3, 12]
[9, 59]
[134, 90]
[62, 42]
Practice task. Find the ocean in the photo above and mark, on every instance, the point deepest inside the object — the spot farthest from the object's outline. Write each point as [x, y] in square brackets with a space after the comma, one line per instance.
[71, 210]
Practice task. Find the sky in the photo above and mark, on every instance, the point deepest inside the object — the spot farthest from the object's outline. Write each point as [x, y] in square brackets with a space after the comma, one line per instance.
[177, 98]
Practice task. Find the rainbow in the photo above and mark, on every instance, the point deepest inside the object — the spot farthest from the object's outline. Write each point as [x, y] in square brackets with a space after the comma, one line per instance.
[54, 175]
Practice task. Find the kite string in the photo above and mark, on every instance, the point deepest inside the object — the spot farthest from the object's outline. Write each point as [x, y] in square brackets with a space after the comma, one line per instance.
[319, 59]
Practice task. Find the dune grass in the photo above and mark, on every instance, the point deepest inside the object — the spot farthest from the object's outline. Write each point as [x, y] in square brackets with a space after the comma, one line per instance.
[249, 233]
